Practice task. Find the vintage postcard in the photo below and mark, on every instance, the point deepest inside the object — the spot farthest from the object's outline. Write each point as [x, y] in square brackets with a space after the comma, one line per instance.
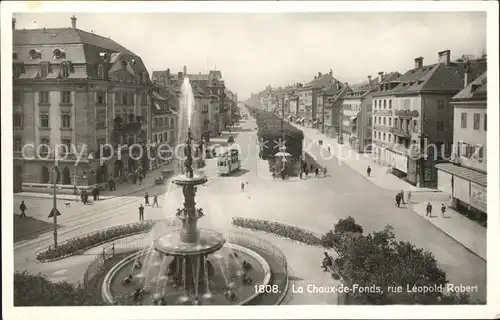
[250, 160]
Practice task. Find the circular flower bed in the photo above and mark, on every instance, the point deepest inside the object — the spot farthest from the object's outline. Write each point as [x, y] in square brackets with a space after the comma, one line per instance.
[79, 244]
[279, 229]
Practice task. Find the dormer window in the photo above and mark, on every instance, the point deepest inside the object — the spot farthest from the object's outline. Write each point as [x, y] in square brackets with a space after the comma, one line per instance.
[124, 63]
[14, 55]
[59, 54]
[35, 54]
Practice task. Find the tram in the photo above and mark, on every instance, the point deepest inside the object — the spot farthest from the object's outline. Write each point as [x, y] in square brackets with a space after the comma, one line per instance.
[228, 161]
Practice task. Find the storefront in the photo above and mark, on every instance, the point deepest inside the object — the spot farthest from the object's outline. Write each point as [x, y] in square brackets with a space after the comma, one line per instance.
[467, 189]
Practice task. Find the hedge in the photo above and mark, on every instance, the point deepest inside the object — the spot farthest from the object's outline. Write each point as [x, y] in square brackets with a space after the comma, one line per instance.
[279, 229]
[79, 244]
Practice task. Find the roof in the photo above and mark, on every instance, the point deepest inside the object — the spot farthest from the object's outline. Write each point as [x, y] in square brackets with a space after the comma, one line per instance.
[464, 172]
[439, 77]
[361, 89]
[167, 94]
[80, 47]
[476, 90]
[323, 81]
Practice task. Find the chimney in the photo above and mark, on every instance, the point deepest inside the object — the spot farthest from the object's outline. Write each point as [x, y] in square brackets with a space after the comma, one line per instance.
[185, 70]
[444, 57]
[180, 76]
[73, 22]
[346, 84]
[319, 74]
[330, 72]
[467, 76]
[338, 85]
[380, 77]
[419, 62]
[369, 80]
[168, 77]
[13, 23]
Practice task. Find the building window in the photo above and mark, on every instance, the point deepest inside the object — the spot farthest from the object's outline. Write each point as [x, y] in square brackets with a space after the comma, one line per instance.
[125, 98]
[44, 120]
[66, 97]
[440, 125]
[17, 121]
[440, 104]
[66, 146]
[390, 122]
[44, 147]
[43, 97]
[389, 137]
[66, 121]
[477, 119]
[485, 122]
[415, 126]
[369, 121]
[463, 120]
[379, 135]
[100, 119]
[59, 54]
[18, 144]
[384, 121]
[390, 104]
[35, 54]
[131, 98]
[384, 104]
[101, 97]
[100, 71]
[383, 136]
[144, 98]
[118, 98]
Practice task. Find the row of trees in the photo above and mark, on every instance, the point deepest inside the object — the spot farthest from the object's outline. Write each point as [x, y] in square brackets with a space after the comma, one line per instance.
[378, 260]
[270, 133]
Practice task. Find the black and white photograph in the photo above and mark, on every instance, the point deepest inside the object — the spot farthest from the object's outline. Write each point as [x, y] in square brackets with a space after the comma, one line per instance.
[236, 155]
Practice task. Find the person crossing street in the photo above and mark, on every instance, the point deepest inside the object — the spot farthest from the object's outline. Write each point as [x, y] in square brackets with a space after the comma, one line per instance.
[141, 213]
[23, 208]
[155, 200]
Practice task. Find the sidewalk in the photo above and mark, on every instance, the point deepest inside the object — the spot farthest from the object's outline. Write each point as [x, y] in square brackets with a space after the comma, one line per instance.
[122, 189]
[470, 234]
[359, 162]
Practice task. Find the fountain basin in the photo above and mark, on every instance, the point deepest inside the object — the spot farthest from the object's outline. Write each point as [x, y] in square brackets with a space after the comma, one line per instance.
[260, 273]
[208, 241]
[184, 180]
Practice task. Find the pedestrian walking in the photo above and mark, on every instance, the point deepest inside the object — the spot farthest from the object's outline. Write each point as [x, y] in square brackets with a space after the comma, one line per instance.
[428, 210]
[329, 149]
[443, 210]
[311, 168]
[402, 195]
[94, 194]
[317, 172]
[274, 174]
[398, 199]
[409, 196]
[242, 186]
[368, 171]
[140, 178]
[155, 200]
[301, 173]
[146, 199]
[141, 213]
[23, 208]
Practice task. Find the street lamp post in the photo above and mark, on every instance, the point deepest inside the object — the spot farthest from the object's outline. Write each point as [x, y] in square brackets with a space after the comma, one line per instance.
[54, 199]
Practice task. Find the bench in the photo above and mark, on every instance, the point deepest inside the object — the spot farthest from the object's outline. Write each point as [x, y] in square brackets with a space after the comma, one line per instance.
[332, 269]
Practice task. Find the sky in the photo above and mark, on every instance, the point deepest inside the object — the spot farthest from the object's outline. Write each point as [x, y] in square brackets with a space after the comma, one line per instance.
[253, 50]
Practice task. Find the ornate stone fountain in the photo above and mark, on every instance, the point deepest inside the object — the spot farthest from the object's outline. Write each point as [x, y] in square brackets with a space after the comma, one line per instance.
[189, 245]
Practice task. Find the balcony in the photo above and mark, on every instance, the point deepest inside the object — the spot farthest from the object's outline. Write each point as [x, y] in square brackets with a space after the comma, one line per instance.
[406, 113]
[405, 133]
[380, 112]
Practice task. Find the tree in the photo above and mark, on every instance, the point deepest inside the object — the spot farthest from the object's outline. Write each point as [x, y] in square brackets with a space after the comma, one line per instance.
[377, 262]
[37, 290]
[343, 228]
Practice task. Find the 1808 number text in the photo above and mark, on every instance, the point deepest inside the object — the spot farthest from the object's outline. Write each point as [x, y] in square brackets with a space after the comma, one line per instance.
[267, 288]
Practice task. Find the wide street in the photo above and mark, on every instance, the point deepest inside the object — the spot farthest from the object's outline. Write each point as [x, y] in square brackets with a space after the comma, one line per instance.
[315, 204]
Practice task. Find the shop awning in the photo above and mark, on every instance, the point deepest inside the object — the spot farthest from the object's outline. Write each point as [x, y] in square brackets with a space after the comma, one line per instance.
[315, 122]
[157, 106]
[464, 173]
[157, 96]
